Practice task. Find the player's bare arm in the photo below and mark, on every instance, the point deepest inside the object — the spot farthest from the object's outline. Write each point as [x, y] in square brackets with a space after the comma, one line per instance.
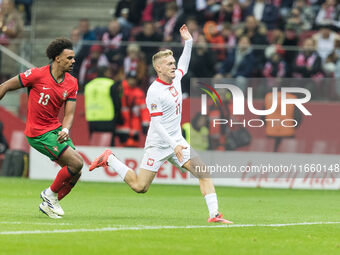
[70, 108]
[11, 84]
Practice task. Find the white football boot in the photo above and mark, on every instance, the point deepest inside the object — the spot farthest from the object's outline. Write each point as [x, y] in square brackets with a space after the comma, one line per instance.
[53, 203]
[44, 208]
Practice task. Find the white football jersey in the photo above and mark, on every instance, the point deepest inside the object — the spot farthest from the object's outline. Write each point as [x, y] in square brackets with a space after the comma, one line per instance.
[163, 99]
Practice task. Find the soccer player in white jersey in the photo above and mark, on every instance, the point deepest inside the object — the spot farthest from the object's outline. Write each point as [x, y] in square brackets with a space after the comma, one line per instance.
[164, 140]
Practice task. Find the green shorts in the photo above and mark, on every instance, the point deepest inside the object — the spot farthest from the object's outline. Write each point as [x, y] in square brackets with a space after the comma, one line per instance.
[47, 144]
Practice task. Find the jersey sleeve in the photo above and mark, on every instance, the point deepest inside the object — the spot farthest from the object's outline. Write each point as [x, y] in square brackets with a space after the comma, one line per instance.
[153, 104]
[28, 77]
[73, 95]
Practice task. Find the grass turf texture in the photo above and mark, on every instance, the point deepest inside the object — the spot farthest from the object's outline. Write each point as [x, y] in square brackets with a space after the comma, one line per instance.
[100, 205]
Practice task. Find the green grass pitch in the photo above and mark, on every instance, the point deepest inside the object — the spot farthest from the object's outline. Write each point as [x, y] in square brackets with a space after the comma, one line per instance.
[106, 207]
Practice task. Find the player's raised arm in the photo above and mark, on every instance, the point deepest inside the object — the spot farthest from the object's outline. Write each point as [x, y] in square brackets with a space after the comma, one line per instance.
[183, 62]
[11, 84]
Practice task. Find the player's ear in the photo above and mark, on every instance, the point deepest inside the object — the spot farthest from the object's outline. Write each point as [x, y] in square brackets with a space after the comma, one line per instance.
[57, 59]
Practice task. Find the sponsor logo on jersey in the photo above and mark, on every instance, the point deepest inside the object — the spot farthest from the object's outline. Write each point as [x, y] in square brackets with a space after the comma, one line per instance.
[153, 107]
[28, 72]
[65, 94]
[150, 162]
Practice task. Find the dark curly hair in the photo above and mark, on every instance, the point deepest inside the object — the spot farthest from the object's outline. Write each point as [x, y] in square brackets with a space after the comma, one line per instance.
[57, 46]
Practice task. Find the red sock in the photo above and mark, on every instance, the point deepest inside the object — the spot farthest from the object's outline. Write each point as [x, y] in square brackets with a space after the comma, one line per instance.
[68, 186]
[64, 190]
[63, 176]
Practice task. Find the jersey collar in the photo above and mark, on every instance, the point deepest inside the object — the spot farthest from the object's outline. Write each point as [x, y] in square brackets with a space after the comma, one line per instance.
[163, 82]
[54, 78]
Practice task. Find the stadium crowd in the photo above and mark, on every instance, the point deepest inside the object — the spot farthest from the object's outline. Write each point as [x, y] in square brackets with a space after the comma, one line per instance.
[233, 38]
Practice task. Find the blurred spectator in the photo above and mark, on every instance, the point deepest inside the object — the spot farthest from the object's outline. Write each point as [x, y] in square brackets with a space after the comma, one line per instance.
[228, 35]
[135, 9]
[211, 10]
[265, 12]
[325, 41]
[86, 36]
[239, 62]
[214, 37]
[306, 12]
[135, 62]
[125, 24]
[203, 60]
[230, 12]
[86, 33]
[157, 9]
[135, 115]
[274, 129]
[103, 103]
[90, 66]
[76, 40]
[291, 39]
[148, 35]
[308, 63]
[256, 32]
[295, 18]
[284, 6]
[112, 40]
[275, 65]
[27, 6]
[196, 133]
[193, 27]
[171, 15]
[11, 23]
[326, 14]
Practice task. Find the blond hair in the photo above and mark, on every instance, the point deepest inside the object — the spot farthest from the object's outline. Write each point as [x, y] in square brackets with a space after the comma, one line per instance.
[161, 54]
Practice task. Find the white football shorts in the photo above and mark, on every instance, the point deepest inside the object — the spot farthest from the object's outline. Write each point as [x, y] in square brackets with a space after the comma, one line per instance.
[154, 157]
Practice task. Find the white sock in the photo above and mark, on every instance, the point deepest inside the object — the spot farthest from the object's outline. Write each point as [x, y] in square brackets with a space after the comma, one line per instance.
[211, 200]
[50, 193]
[117, 166]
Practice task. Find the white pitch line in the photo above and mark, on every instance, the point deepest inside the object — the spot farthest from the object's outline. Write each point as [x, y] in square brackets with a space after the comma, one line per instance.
[33, 223]
[111, 229]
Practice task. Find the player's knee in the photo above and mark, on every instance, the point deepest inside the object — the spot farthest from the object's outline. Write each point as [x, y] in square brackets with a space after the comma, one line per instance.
[140, 188]
[76, 165]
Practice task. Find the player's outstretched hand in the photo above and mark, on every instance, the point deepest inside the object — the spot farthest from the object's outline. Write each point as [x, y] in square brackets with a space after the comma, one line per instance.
[62, 136]
[178, 152]
[185, 34]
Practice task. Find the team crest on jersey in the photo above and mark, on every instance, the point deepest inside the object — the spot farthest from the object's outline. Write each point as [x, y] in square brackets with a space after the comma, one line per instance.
[55, 148]
[153, 107]
[150, 162]
[173, 91]
[28, 72]
[65, 94]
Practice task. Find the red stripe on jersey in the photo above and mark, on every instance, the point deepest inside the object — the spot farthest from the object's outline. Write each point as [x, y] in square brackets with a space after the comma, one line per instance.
[156, 114]
[163, 82]
[181, 71]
